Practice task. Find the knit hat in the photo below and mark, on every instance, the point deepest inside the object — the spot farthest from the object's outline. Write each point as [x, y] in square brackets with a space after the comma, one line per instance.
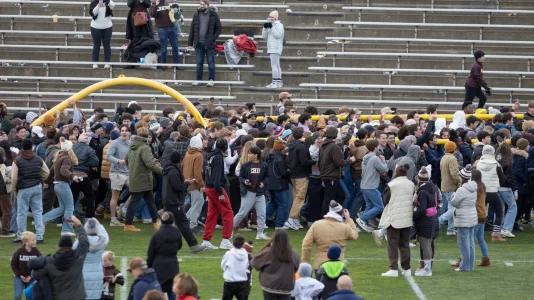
[334, 252]
[522, 144]
[175, 157]
[108, 127]
[478, 54]
[38, 130]
[331, 132]
[91, 226]
[274, 14]
[240, 132]
[335, 207]
[224, 121]
[315, 136]
[277, 130]
[450, 147]
[114, 135]
[423, 175]
[488, 150]
[83, 138]
[66, 145]
[305, 270]
[465, 173]
[196, 142]
[286, 133]
[65, 241]
[48, 120]
[30, 116]
[167, 218]
[153, 125]
[94, 128]
[278, 145]
[165, 122]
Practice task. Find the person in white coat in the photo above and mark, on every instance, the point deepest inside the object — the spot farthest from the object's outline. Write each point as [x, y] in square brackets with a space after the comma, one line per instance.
[465, 219]
[398, 219]
[273, 33]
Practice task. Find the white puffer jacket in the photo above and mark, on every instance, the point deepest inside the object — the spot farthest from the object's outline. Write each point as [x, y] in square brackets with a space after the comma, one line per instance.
[487, 165]
[399, 211]
[275, 38]
[464, 203]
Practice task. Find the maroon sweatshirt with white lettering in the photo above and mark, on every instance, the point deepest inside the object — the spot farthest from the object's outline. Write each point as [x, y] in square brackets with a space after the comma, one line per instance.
[21, 257]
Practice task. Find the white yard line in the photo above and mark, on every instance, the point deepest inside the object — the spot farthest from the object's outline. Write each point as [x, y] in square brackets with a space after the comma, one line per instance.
[416, 289]
[124, 271]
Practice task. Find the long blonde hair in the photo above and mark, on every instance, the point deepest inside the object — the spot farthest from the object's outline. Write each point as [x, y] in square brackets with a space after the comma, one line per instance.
[73, 156]
[244, 153]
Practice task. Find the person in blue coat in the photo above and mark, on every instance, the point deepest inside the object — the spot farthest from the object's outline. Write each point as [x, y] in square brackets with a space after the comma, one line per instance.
[344, 290]
[145, 279]
[434, 154]
[93, 273]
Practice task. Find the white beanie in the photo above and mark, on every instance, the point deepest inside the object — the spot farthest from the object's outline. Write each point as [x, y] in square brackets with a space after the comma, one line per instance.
[196, 142]
[240, 132]
[65, 144]
[274, 14]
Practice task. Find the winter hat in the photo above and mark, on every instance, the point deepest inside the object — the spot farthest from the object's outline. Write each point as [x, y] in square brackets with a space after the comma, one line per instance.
[108, 127]
[315, 136]
[65, 241]
[83, 138]
[410, 122]
[286, 133]
[61, 124]
[522, 144]
[38, 130]
[114, 135]
[165, 122]
[278, 145]
[334, 252]
[331, 132]
[465, 173]
[335, 207]
[488, 150]
[65, 144]
[274, 14]
[450, 147]
[196, 142]
[48, 120]
[224, 121]
[94, 128]
[240, 132]
[423, 175]
[277, 130]
[167, 218]
[30, 116]
[91, 227]
[478, 54]
[369, 128]
[305, 270]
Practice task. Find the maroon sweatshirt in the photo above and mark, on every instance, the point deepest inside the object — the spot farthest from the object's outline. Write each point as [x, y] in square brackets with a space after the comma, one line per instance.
[21, 257]
[476, 78]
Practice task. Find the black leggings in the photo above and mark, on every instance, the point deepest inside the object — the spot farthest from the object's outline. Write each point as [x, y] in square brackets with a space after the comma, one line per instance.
[495, 203]
[470, 94]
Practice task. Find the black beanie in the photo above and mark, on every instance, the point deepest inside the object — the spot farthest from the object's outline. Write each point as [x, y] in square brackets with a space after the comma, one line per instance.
[478, 54]
[65, 242]
[167, 218]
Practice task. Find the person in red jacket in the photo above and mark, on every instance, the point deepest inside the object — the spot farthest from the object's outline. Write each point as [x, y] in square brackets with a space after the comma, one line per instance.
[475, 82]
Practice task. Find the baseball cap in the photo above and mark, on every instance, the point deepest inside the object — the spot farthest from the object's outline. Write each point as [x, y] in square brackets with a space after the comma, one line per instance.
[284, 95]
[38, 130]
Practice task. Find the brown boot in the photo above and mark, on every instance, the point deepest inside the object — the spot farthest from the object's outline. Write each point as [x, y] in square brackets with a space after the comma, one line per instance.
[485, 262]
[495, 237]
[457, 264]
[131, 228]
[421, 265]
[156, 226]
[107, 216]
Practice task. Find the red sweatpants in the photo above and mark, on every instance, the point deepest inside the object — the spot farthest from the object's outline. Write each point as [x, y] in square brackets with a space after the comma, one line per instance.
[214, 207]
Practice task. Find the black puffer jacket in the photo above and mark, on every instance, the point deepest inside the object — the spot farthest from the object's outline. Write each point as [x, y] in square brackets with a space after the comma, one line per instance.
[278, 172]
[214, 30]
[162, 250]
[427, 196]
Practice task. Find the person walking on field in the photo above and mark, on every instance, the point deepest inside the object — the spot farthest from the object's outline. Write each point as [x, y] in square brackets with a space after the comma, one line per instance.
[273, 33]
[118, 174]
[475, 82]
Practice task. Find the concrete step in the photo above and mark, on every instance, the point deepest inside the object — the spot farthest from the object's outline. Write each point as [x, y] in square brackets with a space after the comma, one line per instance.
[439, 17]
[370, 46]
[472, 4]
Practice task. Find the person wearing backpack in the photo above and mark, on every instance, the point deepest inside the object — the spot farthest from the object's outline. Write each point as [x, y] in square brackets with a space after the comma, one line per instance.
[425, 217]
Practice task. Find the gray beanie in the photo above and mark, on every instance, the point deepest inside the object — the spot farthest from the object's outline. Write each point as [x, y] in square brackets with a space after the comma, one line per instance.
[488, 150]
[91, 227]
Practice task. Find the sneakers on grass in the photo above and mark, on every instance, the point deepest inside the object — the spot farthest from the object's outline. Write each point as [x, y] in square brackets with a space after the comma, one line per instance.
[506, 233]
[391, 273]
[115, 223]
[225, 244]
[262, 236]
[423, 272]
[208, 245]
[363, 225]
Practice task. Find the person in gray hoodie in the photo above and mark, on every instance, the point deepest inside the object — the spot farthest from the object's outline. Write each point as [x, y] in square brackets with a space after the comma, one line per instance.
[118, 174]
[410, 159]
[372, 166]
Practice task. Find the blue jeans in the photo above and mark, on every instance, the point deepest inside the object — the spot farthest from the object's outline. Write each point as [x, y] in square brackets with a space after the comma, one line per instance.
[141, 211]
[466, 242]
[507, 197]
[347, 192]
[479, 237]
[373, 204]
[66, 206]
[278, 202]
[447, 216]
[168, 33]
[178, 30]
[27, 198]
[201, 51]
[18, 288]
[357, 202]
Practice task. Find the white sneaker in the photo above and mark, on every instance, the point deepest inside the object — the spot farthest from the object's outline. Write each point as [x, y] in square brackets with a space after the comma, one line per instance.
[296, 222]
[262, 236]
[196, 83]
[281, 228]
[363, 225]
[210, 83]
[106, 66]
[95, 66]
[225, 245]
[116, 223]
[423, 272]
[279, 84]
[218, 226]
[271, 86]
[407, 273]
[506, 233]
[208, 245]
[66, 233]
[412, 245]
[451, 233]
[391, 273]
[290, 224]
[377, 237]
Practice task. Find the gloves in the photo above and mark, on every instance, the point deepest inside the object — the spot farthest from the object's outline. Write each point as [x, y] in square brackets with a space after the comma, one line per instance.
[267, 25]
[488, 91]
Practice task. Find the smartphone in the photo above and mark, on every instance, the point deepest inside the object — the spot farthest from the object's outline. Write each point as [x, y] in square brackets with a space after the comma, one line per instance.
[101, 2]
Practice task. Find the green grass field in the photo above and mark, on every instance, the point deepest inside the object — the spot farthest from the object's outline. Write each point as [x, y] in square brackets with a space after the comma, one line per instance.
[509, 277]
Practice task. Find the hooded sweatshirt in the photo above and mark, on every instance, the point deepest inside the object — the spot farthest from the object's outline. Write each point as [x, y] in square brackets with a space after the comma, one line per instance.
[372, 166]
[235, 265]
[117, 151]
[464, 203]
[458, 120]
[306, 288]
[411, 159]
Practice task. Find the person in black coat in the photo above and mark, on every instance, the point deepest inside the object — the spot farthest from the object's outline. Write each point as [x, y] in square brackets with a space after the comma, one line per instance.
[521, 177]
[278, 184]
[162, 250]
[427, 197]
[136, 32]
[174, 191]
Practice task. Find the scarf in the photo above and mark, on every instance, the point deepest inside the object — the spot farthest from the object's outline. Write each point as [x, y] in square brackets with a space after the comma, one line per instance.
[333, 215]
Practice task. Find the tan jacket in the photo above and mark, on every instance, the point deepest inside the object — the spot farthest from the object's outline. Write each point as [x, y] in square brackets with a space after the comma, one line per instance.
[193, 167]
[325, 233]
[450, 173]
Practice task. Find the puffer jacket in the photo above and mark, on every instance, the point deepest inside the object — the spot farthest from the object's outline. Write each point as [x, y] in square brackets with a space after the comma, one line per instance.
[520, 170]
[358, 151]
[464, 203]
[106, 165]
[93, 273]
[87, 158]
[275, 38]
[399, 211]
[489, 168]
[141, 165]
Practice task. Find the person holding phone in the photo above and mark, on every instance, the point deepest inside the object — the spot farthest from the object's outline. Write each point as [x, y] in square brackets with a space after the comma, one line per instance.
[273, 33]
[101, 29]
